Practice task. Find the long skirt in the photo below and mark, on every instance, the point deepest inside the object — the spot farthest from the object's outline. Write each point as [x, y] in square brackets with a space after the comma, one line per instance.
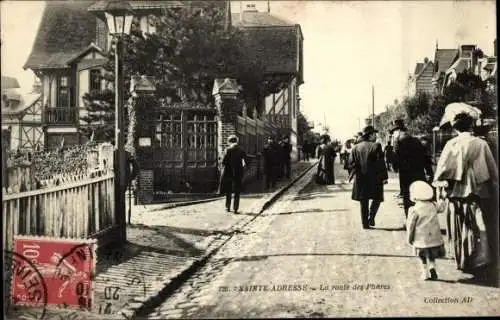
[467, 233]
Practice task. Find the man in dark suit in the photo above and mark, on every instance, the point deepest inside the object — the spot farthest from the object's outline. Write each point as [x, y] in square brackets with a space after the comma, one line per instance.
[271, 162]
[413, 162]
[287, 160]
[234, 161]
[370, 174]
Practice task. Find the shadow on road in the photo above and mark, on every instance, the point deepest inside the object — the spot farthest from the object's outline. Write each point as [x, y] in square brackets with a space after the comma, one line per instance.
[314, 210]
[263, 257]
[389, 229]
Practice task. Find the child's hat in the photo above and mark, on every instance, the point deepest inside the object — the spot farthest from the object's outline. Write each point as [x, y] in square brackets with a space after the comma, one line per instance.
[421, 190]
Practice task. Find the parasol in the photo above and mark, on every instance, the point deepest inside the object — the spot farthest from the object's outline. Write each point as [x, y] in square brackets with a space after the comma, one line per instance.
[455, 108]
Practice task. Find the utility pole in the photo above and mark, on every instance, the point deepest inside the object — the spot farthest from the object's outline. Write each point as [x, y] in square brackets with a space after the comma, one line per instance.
[373, 105]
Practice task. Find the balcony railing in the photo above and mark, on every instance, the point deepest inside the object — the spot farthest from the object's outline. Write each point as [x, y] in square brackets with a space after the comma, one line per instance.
[61, 116]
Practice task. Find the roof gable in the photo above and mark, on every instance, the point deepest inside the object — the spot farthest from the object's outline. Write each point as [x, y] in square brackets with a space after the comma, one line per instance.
[68, 18]
[444, 58]
[271, 40]
[9, 83]
[275, 48]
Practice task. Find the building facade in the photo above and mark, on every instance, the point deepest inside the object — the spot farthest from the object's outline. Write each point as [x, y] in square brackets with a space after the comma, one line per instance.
[21, 117]
[421, 79]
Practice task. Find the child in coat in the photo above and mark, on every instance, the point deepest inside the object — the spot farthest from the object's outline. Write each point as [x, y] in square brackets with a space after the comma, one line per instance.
[423, 230]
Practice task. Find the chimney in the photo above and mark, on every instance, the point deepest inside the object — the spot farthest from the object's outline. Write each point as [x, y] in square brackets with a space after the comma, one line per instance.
[466, 50]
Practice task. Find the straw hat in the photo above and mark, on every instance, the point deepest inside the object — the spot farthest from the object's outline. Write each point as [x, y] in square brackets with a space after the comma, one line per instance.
[421, 190]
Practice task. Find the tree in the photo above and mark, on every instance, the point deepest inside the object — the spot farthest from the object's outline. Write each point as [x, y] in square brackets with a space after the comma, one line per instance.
[304, 132]
[100, 115]
[191, 47]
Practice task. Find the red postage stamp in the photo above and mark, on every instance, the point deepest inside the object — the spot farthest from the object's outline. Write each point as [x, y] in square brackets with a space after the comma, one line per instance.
[61, 269]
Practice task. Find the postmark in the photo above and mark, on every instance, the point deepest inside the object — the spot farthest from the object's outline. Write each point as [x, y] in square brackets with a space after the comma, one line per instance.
[27, 286]
[66, 267]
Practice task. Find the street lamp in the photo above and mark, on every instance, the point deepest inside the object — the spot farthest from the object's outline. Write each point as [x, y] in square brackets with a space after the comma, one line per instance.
[119, 21]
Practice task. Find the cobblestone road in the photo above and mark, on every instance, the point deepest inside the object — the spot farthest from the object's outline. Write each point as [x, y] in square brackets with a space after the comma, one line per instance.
[307, 256]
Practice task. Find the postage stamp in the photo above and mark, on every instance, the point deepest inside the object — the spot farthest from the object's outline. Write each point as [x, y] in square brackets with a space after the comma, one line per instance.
[63, 269]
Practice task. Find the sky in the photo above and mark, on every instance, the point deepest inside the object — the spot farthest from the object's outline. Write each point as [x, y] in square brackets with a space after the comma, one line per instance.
[349, 46]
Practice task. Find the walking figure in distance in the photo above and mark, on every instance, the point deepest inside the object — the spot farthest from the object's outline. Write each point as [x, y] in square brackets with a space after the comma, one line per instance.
[271, 162]
[305, 150]
[234, 161]
[423, 230]
[287, 159]
[367, 167]
[389, 155]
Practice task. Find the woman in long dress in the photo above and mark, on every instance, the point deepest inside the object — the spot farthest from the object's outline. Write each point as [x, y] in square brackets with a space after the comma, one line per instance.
[326, 154]
[468, 175]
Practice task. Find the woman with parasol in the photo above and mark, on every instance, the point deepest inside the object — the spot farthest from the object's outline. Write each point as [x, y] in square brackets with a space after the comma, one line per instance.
[467, 177]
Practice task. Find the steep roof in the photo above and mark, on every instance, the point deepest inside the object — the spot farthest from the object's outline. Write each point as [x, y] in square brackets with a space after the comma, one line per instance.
[257, 19]
[137, 5]
[444, 59]
[272, 41]
[65, 30]
[25, 101]
[68, 28]
[9, 83]
[418, 68]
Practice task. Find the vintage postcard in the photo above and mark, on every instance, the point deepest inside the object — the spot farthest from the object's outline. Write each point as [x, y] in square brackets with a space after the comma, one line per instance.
[249, 159]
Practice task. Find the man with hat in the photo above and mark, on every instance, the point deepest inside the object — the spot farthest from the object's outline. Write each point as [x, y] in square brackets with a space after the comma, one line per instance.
[398, 132]
[370, 174]
[235, 159]
[414, 163]
[271, 162]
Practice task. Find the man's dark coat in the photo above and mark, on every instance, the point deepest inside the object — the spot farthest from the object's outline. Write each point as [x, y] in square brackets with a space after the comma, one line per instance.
[368, 165]
[233, 167]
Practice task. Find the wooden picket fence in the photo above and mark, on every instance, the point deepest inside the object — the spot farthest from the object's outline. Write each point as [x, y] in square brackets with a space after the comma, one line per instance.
[74, 207]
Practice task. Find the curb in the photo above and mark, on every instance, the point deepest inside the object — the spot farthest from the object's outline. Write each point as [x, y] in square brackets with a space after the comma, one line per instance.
[137, 307]
[186, 203]
[274, 196]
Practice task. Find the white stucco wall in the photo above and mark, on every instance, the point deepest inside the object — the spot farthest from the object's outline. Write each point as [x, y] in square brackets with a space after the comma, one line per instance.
[83, 86]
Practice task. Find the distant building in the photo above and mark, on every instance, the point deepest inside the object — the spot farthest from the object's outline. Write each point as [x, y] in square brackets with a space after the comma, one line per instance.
[421, 79]
[21, 117]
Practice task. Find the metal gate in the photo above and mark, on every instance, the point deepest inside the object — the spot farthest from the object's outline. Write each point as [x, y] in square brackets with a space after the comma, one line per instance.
[185, 151]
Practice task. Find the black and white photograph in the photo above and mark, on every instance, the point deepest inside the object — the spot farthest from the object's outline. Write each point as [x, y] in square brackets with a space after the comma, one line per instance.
[249, 159]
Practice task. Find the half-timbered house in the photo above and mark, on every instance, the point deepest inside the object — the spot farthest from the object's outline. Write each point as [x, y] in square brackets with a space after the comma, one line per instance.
[21, 117]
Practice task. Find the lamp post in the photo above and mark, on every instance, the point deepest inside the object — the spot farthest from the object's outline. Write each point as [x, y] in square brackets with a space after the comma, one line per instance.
[119, 21]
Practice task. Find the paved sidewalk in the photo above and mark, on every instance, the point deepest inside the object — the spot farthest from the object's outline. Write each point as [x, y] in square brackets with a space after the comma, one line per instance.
[163, 245]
